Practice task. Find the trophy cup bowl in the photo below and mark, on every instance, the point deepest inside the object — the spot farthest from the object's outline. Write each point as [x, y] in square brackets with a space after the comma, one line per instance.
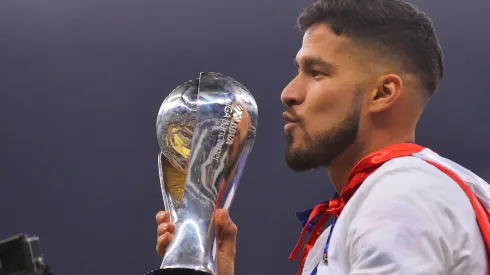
[206, 129]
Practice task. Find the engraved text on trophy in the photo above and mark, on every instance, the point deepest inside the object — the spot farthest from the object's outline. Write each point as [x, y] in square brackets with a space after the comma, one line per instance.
[228, 127]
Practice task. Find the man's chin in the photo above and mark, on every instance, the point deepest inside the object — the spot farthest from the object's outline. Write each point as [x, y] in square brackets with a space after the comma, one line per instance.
[296, 168]
[299, 164]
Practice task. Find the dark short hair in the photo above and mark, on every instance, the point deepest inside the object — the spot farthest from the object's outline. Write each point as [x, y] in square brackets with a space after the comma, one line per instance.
[394, 27]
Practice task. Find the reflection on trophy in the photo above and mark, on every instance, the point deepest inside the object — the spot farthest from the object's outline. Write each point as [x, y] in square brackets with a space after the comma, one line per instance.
[206, 129]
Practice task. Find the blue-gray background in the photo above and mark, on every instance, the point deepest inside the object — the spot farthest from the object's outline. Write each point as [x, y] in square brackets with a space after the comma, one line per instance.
[81, 83]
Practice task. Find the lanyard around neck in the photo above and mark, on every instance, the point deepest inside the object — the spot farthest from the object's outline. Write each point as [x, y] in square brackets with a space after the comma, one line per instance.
[325, 250]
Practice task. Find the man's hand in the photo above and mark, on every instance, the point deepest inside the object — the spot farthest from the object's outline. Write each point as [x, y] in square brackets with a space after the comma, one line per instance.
[226, 233]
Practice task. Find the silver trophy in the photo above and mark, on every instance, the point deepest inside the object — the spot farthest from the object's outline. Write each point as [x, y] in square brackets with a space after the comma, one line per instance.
[206, 129]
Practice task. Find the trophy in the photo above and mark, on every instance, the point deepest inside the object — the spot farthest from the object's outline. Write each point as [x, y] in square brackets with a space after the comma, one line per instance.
[206, 129]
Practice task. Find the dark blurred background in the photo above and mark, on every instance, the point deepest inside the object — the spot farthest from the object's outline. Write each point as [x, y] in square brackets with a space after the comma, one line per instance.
[81, 83]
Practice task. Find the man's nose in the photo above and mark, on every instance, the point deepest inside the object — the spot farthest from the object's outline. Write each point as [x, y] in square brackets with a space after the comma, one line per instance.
[292, 93]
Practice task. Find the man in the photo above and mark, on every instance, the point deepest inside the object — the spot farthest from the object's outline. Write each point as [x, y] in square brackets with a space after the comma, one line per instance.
[366, 69]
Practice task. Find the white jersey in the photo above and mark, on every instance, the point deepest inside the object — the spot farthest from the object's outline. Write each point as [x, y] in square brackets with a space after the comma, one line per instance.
[408, 217]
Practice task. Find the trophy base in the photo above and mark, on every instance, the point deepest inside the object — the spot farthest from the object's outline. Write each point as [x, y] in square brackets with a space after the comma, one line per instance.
[177, 271]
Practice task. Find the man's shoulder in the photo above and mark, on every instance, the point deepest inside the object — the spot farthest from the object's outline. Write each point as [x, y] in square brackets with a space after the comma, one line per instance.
[403, 174]
[408, 205]
[412, 186]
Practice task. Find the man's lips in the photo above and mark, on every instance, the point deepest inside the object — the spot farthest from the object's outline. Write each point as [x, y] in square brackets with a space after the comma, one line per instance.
[288, 117]
[291, 121]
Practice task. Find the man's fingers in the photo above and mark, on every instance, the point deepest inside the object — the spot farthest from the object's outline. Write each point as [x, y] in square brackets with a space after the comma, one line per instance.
[225, 228]
[165, 232]
[163, 242]
[164, 228]
[162, 217]
[227, 233]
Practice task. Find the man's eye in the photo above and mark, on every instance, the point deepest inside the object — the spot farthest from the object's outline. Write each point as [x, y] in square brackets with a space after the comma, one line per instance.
[315, 73]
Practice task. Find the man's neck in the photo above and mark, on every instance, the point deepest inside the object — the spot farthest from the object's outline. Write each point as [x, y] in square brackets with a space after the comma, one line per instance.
[340, 169]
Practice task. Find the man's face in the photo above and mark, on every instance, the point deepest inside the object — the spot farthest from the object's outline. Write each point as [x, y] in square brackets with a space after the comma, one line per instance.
[324, 100]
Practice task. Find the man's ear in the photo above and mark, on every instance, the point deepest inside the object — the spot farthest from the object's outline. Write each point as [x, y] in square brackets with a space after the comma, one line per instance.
[385, 93]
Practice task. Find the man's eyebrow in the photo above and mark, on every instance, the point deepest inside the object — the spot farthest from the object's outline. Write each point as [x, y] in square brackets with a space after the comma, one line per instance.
[309, 62]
